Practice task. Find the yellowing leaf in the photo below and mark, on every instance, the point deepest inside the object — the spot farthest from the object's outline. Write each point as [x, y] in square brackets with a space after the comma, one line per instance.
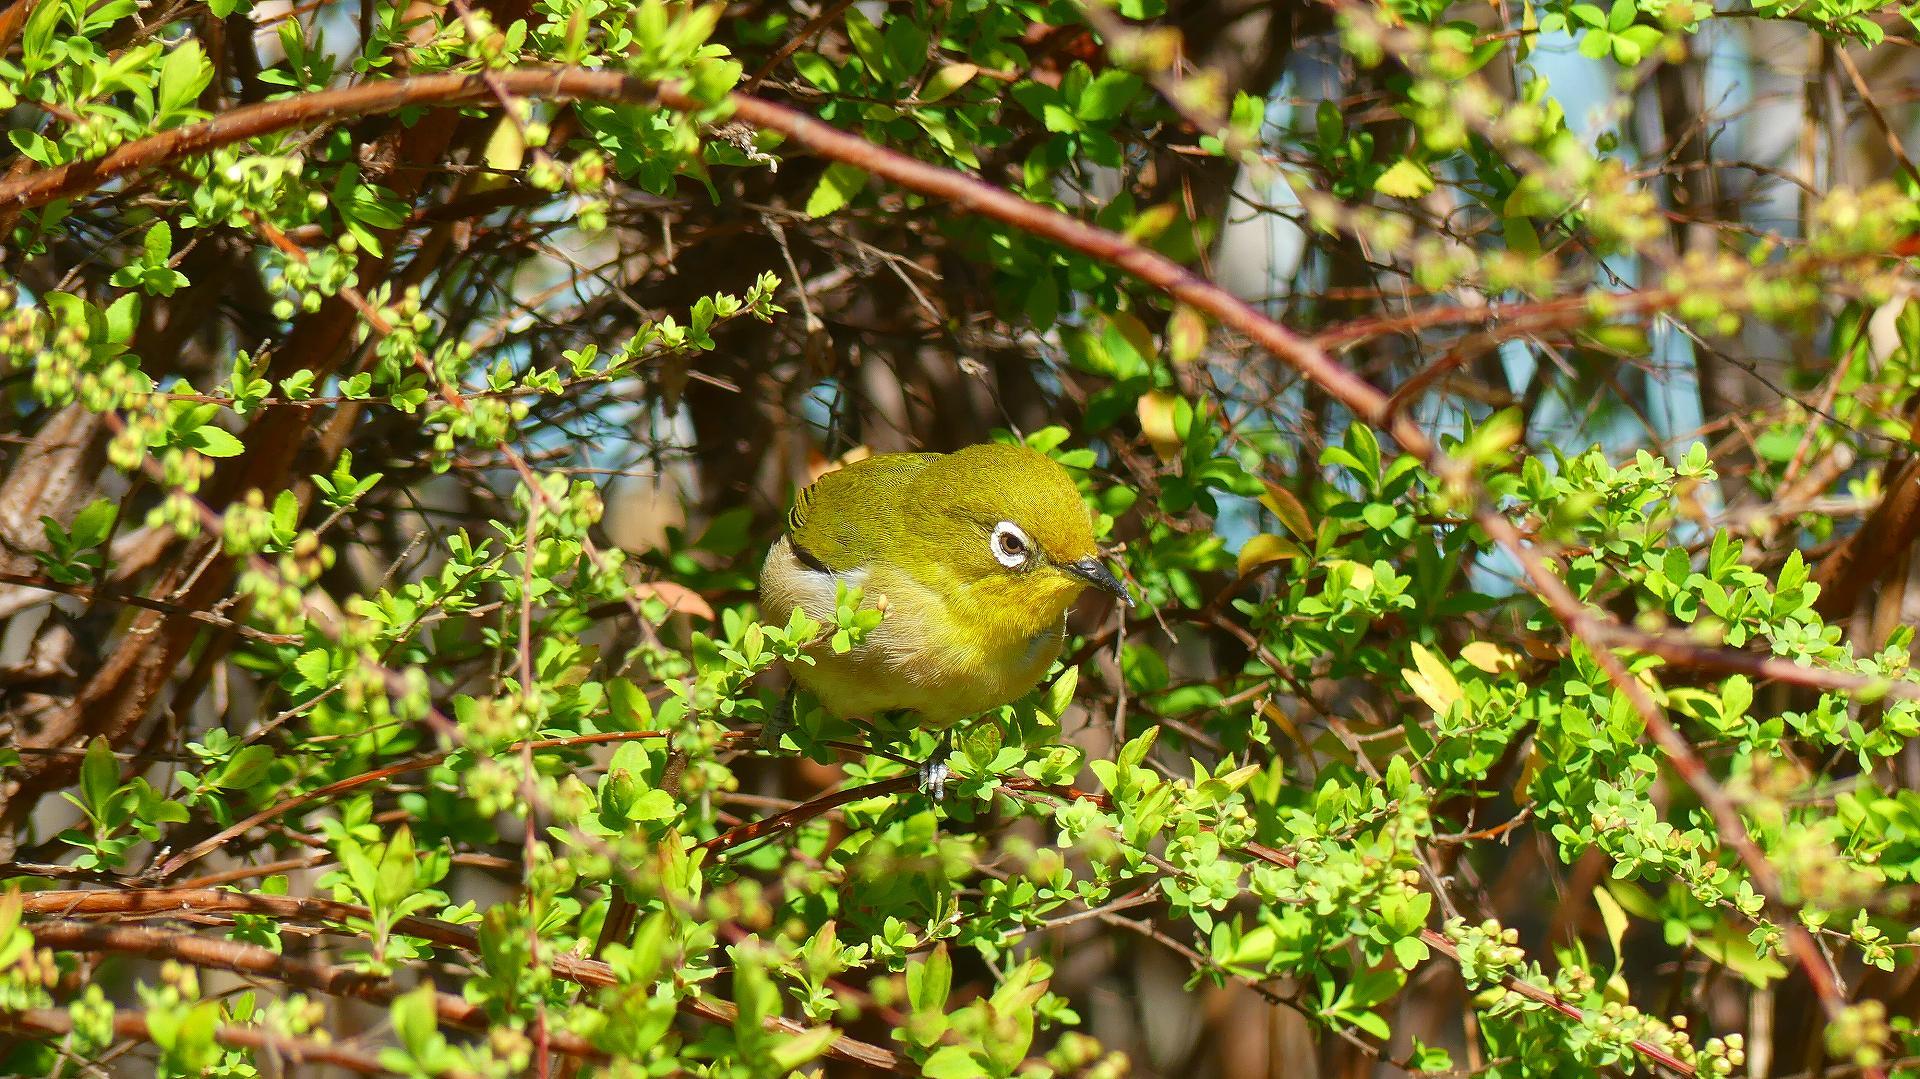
[506, 147]
[1239, 776]
[1156, 422]
[1286, 506]
[1360, 574]
[1283, 721]
[1734, 951]
[1149, 223]
[1431, 681]
[820, 466]
[1614, 917]
[678, 597]
[1406, 179]
[1186, 335]
[1265, 548]
[1528, 769]
[1133, 331]
[1490, 657]
[948, 79]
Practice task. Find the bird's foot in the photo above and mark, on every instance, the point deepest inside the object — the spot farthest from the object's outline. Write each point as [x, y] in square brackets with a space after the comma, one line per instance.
[779, 723]
[933, 774]
[933, 778]
[771, 732]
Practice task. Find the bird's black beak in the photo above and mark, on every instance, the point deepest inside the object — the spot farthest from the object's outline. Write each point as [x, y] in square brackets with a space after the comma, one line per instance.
[1095, 572]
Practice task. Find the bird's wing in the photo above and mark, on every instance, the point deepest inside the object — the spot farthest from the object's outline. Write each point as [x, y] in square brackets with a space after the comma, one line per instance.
[840, 520]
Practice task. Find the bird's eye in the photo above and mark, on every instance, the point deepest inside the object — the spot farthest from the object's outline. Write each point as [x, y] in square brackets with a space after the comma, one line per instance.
[1011, 547]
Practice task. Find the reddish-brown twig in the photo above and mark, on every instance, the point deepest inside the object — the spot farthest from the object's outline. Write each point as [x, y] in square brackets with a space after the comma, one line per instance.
[412, 764]
[254, 960]
[586, 972]
[807, 811]
[132, 1026]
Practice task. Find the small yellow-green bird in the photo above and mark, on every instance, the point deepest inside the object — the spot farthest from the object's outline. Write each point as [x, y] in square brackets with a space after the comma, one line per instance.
[973, 556]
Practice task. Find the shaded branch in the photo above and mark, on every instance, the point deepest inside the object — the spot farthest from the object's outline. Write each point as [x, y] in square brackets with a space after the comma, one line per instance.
[413, 764]
[585, 972]
[58, 1023]
[260, 962]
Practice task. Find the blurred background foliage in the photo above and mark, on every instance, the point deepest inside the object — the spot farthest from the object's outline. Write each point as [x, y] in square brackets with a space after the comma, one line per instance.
[383, 489]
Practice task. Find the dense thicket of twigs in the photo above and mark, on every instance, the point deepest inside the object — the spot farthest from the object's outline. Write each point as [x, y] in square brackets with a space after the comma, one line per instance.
[1504, 411]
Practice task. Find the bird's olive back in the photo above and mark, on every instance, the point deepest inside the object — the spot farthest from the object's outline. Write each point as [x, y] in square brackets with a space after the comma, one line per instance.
[935, 513]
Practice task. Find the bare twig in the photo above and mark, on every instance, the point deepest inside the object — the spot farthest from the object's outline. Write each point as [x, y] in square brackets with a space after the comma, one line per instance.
[58, 1023]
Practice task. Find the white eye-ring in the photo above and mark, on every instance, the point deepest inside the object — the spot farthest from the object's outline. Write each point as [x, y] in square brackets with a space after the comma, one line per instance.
[1011, 547]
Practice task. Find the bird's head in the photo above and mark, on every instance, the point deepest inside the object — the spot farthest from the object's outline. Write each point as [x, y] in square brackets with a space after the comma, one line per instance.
[1007, 525]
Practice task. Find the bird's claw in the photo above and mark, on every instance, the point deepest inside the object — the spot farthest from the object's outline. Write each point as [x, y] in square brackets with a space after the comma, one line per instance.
[773, 730]
[933, 779]
[778, 724]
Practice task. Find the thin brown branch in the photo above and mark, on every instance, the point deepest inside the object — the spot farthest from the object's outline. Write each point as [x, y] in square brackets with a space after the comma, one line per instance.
[1880, 121]
[807, 811]
[791, 45]
[39, 583]
[256, 961]
[132, 1026]
[1680, 652]
[413, 764]
[305, 111]
[585, 972]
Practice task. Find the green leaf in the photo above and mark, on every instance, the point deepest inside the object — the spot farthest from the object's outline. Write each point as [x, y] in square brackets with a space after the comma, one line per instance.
[838, 185]
[92, 525]
[122, 316]
[1107, 96]
[193, 1047]
[1410, 952]
[654, 805]
[906, 45]
[36, 38]
[1059, 695]
[817, 70]
[214, 442]
[247, 767]
[183, 77]
[99, 777]
[416, 1022]
[793, 1051]
[158, 243]
[1047, 105]
[629, 708]
[952, 1062]
[868, 43]
[316, 666]
[930, 980]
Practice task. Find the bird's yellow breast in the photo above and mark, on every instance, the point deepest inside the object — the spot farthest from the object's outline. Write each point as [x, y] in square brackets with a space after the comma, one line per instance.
[945, 650]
